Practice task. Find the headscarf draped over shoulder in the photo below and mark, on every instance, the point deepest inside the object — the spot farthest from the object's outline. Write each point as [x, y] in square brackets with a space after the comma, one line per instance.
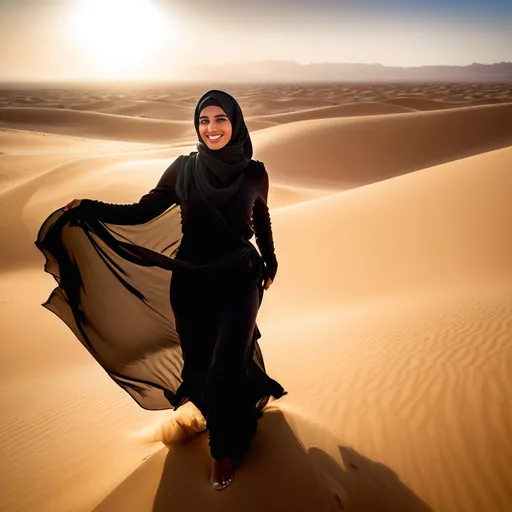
[219, 173]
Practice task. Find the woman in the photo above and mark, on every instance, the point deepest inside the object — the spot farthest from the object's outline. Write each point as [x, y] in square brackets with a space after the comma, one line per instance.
[114, 265]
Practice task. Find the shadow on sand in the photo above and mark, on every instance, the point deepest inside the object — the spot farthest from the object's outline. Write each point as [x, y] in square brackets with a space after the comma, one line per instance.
[278, 475]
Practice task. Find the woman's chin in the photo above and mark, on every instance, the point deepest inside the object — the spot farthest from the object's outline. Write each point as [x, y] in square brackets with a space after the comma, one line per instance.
[214, 147]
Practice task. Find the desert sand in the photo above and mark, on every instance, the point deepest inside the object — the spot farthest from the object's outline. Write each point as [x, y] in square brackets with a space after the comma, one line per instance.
[389, 321]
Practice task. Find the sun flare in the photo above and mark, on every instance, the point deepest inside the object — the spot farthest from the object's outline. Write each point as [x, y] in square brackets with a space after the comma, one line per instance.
[119, 32]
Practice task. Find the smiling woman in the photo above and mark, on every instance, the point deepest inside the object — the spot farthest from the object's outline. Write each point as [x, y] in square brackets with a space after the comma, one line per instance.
[119, 32]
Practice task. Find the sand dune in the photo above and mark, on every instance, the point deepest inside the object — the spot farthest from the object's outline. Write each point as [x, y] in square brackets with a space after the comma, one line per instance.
[28, 143]
[423, 104]
[282, 194]
[345, 110]
[14, 169]
[54, 409]
[348, 152]
[92, 106]
[271, 104]
[388, 322]
[152, 110]
[416, 387]
[94, 125]
[430, 229]
[27, 154]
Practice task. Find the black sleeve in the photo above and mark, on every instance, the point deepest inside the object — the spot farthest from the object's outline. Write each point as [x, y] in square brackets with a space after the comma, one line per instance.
[150, 205]
[262, 226]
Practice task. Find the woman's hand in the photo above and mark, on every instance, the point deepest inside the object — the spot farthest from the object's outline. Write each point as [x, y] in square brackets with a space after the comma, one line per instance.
[72, 204]
[268, 282]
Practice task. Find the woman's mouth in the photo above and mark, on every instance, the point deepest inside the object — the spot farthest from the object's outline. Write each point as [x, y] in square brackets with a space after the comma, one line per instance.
[214, 138]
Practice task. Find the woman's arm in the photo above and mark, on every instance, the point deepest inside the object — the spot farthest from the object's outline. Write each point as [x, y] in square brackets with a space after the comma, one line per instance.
[149, 206]
[262, 226]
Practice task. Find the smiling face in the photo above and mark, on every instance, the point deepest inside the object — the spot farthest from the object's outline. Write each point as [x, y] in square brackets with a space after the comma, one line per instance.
[214, 127]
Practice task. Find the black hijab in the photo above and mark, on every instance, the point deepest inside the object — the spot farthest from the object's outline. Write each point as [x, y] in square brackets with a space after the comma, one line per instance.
[219, 173]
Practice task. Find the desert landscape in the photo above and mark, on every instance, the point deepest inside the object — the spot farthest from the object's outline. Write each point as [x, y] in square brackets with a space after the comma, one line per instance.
[389, 322]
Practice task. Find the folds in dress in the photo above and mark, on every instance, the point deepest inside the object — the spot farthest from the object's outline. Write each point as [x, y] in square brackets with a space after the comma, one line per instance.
[114, 292]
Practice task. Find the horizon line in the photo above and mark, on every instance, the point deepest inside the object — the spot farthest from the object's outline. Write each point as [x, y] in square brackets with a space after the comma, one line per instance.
[142, 80]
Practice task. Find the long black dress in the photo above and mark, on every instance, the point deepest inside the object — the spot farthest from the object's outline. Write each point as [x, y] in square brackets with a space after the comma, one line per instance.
[117, 267]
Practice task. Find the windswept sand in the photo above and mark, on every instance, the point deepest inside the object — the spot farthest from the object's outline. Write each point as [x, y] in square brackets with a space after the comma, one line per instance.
[389, 322]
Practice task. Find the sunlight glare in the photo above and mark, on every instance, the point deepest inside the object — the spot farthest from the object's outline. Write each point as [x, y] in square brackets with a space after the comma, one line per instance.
[119, 32]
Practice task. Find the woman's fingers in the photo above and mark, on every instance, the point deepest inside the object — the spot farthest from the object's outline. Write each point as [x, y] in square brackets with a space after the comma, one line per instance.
[72, 204]
[268, 283]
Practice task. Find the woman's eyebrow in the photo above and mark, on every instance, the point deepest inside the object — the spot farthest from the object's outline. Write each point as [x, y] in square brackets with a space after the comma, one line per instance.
[218, 115]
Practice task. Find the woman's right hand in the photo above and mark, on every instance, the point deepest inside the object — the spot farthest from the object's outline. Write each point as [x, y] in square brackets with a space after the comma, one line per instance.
[72, 204]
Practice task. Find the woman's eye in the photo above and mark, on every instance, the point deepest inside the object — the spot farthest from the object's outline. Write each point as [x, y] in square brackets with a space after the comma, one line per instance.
[206, 121]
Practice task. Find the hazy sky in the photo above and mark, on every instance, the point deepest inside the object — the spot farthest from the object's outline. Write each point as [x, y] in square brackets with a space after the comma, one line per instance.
[72, 39]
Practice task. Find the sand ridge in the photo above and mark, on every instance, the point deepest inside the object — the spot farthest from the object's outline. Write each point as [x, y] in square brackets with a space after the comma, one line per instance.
[94, 124]
[347, 152]
[388, 322]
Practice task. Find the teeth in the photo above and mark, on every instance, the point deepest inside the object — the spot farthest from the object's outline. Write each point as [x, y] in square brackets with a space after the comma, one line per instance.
[214, 137]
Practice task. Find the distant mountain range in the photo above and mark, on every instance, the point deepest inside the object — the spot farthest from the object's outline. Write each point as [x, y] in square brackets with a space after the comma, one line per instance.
[287, 71]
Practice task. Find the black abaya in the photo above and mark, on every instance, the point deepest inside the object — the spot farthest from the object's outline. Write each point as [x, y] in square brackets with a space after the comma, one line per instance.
[114, 265]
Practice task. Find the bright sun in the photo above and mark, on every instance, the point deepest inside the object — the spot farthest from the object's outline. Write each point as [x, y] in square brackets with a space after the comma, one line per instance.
[119, 32]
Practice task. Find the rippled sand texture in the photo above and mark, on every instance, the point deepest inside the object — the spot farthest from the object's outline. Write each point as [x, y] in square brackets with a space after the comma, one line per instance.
[389, 322]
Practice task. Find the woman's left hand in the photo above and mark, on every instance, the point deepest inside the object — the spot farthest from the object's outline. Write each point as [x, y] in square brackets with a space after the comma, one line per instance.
[268, 282]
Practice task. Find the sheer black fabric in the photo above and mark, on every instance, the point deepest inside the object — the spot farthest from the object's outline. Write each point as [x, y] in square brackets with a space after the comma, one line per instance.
[117, 285]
